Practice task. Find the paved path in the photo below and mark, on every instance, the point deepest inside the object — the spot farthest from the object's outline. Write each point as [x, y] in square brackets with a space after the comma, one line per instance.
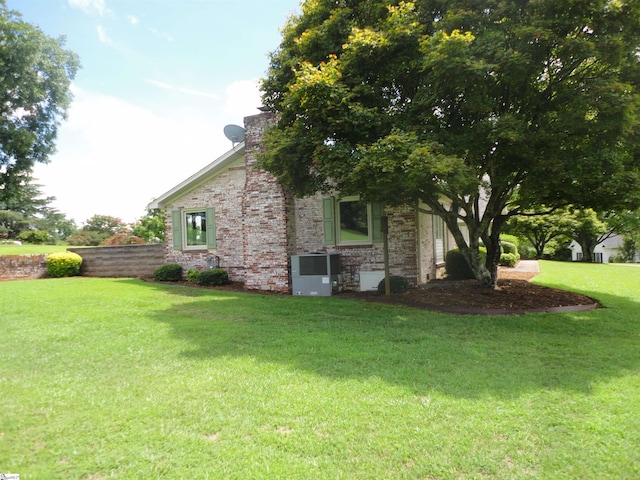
[527, 266]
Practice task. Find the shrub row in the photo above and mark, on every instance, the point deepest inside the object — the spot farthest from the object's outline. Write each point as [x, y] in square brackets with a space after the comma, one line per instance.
[172, 272]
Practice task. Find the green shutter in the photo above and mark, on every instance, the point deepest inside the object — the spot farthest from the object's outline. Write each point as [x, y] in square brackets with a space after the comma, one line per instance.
[176, 229]
[329, 221]
[377, 209]
[211, 227]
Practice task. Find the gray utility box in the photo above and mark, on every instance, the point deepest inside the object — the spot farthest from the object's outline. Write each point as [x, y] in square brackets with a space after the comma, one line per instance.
[315, 274]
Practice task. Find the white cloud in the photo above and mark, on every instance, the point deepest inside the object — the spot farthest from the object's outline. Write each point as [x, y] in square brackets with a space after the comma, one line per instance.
[243, 96]
[133, 20]
[114, 157]
[91, 7]
[162, 35]
[103, 37]
[185, 90]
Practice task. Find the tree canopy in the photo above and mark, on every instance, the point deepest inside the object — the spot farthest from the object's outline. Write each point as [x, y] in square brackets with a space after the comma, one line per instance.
[35, 76]
[476, 110]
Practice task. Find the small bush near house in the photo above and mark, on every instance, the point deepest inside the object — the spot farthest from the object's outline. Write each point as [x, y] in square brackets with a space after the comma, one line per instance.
[63, 264]
[508, 259]
[192, 275]
[215, 276]
[122, 239]
[170, 272]
[397, 284]
[456, 265]
[34, 237]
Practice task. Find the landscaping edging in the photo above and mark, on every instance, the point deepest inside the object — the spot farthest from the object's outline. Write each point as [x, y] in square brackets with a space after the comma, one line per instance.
[478, 311]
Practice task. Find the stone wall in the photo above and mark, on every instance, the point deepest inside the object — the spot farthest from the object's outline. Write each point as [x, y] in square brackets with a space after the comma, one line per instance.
[120, 261]
[19, 267]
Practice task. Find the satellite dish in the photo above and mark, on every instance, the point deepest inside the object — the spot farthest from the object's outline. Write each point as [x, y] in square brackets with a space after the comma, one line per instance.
[234, 133]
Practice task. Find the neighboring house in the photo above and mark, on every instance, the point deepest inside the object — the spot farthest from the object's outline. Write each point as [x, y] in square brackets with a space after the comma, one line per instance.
[236, 216]
[602, 253]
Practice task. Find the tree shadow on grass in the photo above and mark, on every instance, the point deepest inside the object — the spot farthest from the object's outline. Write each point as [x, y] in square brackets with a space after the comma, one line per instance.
[462, 356]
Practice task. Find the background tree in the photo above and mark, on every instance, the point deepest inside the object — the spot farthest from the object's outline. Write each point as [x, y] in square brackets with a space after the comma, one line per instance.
[35, 75]
[22, 201]
[151, 227]
[539, 226]
[97, 229]
[478, 110]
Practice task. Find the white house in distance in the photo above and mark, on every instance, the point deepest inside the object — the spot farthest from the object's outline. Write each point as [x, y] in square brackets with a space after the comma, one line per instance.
[603, 251]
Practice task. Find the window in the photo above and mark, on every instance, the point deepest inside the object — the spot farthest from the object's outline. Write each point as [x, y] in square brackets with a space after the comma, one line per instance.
[439, 239]
[194, 229]
[349, 221]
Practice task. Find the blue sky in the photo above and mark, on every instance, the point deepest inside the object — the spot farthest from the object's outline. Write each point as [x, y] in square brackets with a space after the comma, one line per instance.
[159, 81]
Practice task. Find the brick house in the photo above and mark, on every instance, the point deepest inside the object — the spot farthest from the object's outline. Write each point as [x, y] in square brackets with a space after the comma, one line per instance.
[233, 215]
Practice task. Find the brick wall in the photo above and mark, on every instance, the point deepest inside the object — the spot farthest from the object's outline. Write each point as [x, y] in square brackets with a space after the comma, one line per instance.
[264, 216]
[18, 267]
[403, 243]
[225, 193]
[120, 261]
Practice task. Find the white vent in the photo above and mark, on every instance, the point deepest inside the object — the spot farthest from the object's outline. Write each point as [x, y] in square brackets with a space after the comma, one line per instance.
[370, 280]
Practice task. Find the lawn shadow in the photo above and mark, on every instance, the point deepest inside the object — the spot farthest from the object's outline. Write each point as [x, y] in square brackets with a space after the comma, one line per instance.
[458, 355]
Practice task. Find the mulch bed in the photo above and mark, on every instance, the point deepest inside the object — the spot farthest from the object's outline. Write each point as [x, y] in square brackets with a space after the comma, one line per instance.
[514, 294]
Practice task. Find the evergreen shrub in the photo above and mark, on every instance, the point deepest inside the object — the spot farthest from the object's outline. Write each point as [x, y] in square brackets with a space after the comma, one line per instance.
[508, 247]
[34, 237]
[215, 276]
[505, 237]
[508, 259]
[192, 275]
[63, 264]
[397, 284]
[456, 265]
[170, 272]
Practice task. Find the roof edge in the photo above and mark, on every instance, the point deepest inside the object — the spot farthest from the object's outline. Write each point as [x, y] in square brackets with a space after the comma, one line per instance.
[209, 170]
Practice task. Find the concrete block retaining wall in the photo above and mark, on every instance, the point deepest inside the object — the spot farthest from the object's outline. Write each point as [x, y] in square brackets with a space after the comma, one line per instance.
[120, 261]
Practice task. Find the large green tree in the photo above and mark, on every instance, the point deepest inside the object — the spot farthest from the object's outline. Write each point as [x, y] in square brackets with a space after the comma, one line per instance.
[540, 226]
[476, 110]
[35, 76]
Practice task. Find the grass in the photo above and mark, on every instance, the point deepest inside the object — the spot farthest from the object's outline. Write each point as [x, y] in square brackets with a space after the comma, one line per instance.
[117, 378]
[26, 249]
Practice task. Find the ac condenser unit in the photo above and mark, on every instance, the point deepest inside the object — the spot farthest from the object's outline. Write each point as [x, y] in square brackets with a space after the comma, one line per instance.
[315, 274]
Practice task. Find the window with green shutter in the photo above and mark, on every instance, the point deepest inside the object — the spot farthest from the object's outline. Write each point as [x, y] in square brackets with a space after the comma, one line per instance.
[350, 221]
[194, 228]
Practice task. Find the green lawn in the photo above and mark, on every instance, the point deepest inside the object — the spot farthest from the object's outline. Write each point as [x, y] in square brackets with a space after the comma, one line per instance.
[117, 378]
[12, 249]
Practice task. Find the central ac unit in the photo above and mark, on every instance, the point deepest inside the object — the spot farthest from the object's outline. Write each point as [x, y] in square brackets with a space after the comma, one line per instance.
[316, 274]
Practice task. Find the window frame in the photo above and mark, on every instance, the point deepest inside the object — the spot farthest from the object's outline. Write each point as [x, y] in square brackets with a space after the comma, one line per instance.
[339, 240]
[179, 226]
[185, 228]
[331, 222]
[440, 232]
